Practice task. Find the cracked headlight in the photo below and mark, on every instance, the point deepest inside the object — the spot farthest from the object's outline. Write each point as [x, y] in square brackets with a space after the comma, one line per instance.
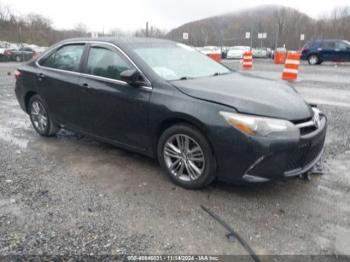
[261, 126]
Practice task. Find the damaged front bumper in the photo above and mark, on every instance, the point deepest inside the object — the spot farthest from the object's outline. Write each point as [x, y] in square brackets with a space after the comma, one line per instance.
[294, 161]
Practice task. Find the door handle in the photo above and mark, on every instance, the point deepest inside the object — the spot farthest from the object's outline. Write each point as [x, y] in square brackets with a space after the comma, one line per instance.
[86, 87]
[40, 76]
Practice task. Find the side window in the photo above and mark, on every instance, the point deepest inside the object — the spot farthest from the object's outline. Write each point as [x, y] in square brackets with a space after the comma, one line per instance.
[315, 44]
[328, 45]
[106, 63]
[66, 58]
[340, 45]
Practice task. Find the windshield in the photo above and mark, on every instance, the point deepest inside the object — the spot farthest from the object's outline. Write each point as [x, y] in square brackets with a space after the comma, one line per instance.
[175, 62]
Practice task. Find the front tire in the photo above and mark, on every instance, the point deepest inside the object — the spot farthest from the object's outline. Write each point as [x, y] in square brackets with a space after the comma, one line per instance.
[40, 117]
[186, 156]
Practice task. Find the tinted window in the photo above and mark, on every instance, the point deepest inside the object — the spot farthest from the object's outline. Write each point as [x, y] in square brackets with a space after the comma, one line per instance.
[328, 45]
[106, 63]
[314, 44]
[66, 58]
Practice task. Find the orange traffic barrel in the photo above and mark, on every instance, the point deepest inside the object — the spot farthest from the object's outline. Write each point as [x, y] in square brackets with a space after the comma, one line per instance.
[216, 56]
[247, 60]
[291, 66]
[279, 57]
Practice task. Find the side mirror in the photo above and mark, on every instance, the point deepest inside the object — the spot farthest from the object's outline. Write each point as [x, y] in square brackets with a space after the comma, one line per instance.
[132, 77]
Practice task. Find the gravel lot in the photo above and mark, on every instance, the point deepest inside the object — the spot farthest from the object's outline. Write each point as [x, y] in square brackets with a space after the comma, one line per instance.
[73, 195]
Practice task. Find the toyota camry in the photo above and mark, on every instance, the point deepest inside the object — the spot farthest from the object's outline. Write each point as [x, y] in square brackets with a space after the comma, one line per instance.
[200, 119]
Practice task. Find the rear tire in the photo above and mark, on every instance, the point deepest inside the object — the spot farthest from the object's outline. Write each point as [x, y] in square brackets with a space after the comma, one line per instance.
[186, 156]
[40, 117]
[314, 60]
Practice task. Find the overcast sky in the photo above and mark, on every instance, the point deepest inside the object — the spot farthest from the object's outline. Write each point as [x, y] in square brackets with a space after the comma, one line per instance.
[132, 14]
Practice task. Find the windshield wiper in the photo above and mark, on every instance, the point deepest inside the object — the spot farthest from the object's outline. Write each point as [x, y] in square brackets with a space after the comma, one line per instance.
[184, 78]
[219, 74]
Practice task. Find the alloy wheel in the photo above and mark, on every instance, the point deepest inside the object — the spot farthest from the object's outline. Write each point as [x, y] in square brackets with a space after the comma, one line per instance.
[38, 115]
[184, 157]
[313, 60]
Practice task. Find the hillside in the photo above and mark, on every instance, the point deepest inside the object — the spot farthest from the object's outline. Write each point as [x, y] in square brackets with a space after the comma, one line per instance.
[283, 25]
[31, 29]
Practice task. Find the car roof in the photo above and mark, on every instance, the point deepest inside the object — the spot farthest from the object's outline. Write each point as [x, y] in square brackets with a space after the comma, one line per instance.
[120, 41]
[327, 40]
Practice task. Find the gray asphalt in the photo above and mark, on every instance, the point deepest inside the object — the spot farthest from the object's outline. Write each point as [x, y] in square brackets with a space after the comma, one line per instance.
[73, 195]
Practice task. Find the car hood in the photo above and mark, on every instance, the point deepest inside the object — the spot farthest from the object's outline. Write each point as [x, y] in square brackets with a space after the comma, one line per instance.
[249, 94]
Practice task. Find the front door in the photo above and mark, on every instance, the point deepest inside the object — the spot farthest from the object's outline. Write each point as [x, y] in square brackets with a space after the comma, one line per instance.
[343, 51]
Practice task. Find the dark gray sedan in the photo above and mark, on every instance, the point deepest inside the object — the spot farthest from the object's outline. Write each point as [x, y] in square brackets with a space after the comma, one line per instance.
[165, 100]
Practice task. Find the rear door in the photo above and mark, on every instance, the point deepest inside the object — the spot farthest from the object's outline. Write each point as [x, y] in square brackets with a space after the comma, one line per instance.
[58, 82]
[113, 109]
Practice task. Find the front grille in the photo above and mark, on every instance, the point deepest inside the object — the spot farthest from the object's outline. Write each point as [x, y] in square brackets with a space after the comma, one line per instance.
[307, 130]
[300, 121]
[304, 130]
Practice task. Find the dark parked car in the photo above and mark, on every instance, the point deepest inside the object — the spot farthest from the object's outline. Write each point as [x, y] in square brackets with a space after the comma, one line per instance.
[165, 100]
[319, 51]
[8, 54]
[20, 55]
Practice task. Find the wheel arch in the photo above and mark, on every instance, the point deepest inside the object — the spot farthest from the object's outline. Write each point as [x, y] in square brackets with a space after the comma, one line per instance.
[27, 98]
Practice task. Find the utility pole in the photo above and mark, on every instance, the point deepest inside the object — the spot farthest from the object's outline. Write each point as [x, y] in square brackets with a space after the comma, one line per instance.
[251, 37]
[276, 39]
[19, 37]
[20, 40]
[146, 29]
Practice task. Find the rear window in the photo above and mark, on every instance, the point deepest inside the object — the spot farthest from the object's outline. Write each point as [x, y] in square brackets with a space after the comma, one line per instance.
[308, 45]
[313, 44]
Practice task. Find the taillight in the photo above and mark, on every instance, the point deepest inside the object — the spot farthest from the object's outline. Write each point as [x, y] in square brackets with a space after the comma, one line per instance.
[34, 55]
[18, 74]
